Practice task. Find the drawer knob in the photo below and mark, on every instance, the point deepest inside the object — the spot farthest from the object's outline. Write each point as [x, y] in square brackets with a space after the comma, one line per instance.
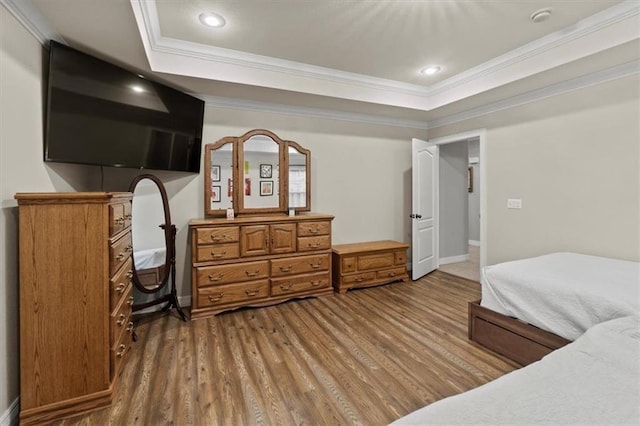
[120, 288]
[392, 274]
[218, 278]
[315, 283]
[130, 327]
[252, 293]
[285, 287]
[119, 221]
[130, 301]
[286, 268]
[314, 245]
[216, 297]
[359, 279]
[313, 231]
[121, 257]
[129, 274]
[121, 319]
[128, 217]
[252, 274]
[216, 238]
[315, 265]
[121, 349]
[129, 247]
[218, 256]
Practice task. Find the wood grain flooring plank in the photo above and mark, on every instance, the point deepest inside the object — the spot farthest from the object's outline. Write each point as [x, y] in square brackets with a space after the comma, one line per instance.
[366, 357]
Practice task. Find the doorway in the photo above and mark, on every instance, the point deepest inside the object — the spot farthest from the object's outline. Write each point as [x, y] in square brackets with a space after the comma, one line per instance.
[460, 187]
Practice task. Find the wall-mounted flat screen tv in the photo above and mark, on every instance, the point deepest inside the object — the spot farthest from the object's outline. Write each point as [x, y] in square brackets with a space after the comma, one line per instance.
[101, 114]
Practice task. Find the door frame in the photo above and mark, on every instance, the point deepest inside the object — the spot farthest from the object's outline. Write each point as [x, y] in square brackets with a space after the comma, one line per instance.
[481, 134]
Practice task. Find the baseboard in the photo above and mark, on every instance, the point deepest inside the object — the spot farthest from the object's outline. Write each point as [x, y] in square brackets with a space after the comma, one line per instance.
[10, 417]
[474, 243]
[454, 259]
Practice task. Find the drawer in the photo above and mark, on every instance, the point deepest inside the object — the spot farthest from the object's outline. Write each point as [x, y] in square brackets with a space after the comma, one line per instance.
[280, 286]
[218, 252]
[375, 261]
[127, 214]
[224, 274]
[232, 293]
[401, 257]
[119, 282]
[299, 265]
[225, 234]
[321, 242]
[391, 273]
[119, 351]
[121, 316]
[306, 229]
[119, 252]
[117, 218]
[348, 265]
[359, 278]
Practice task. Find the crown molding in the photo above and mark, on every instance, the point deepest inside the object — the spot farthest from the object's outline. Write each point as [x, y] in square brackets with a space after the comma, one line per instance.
[241, 104]
[263, 71]
[583, 28]
[598, 77]
[32, 19]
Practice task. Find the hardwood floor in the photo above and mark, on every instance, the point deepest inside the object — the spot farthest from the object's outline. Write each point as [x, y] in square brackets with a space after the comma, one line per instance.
[365, 357]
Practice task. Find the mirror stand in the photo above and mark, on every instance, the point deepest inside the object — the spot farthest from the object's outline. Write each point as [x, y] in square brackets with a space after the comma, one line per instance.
[172, 298]
[154, 244]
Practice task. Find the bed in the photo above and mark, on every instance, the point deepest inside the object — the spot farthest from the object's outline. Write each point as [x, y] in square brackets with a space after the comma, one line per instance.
[533, 306]
[594, 380]
[150, 265]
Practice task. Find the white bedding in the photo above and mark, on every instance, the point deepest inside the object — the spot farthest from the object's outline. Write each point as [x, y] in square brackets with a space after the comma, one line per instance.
[564, 293]
[150, 258]
[594, 380]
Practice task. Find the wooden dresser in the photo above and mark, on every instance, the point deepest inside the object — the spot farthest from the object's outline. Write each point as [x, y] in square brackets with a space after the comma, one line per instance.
[368, 264]
[258, 261]
[75, 301]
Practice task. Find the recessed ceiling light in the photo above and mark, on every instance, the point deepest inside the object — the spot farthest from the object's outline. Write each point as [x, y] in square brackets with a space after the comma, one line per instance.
[541, 15]
[433, 69]
[137, 89]
[212, 19]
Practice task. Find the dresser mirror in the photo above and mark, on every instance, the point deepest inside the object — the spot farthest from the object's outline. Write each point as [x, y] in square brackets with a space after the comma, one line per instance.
[299, 177]
[219, 177]
[153, 241]
[256, 173]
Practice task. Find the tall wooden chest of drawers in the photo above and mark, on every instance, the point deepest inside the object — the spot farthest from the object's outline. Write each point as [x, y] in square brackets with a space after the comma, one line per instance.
[75, 300]
[258, 261]
[368, 264]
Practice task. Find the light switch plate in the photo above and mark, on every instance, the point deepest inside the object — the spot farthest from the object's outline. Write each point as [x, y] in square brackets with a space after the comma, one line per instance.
[514, 203]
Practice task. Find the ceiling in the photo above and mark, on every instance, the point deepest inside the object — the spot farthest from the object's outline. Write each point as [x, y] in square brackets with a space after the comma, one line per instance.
[353, 57]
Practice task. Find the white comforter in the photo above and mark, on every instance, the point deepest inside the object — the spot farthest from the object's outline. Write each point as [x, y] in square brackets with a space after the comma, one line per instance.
[564, 293]
[594, 380]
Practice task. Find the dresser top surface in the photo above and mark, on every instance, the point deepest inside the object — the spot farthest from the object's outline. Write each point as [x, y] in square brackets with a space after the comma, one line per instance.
[243, 220]
[368, 246]
[64, 197]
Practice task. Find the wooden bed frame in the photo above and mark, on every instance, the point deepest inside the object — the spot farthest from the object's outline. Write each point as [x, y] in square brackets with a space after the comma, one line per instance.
[517, 340]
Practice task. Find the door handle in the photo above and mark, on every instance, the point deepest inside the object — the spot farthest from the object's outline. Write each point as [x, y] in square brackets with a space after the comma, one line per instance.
[415, 216]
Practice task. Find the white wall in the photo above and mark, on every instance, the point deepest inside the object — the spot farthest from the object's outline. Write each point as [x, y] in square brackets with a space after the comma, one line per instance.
[574, 161]
[453, 195]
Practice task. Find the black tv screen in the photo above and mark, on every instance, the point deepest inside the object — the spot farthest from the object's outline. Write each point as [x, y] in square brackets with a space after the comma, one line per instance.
[101, 114]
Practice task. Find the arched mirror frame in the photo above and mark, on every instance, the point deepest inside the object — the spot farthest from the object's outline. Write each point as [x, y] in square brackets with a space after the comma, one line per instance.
[282, 177]
[170, 258]
[238, 185]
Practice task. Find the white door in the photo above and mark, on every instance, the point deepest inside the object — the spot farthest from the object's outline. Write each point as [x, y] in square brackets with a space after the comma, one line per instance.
[424, 209]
